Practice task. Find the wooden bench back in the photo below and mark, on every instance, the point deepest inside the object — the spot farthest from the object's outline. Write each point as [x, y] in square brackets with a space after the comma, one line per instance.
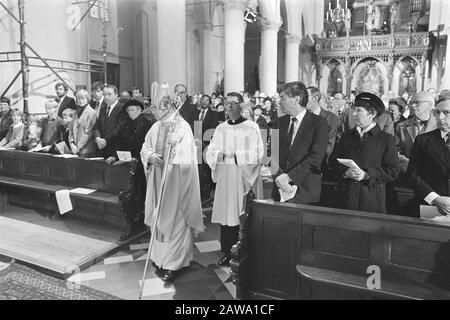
[281, 236]
[74, 172]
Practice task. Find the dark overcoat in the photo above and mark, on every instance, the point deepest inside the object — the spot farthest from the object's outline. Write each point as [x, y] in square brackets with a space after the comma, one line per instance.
[376, 154]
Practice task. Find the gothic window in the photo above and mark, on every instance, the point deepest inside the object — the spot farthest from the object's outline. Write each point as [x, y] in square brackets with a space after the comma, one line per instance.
[335, 79]
[370, 78]
[408, 76]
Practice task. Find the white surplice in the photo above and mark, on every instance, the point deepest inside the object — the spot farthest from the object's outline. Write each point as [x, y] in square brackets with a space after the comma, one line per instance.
[180, 213]
[242, 147]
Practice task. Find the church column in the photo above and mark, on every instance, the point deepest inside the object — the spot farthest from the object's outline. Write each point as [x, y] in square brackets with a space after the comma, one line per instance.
[172, 61]
[269, 25]
[293, 39]
[292, 57]
[234, 45]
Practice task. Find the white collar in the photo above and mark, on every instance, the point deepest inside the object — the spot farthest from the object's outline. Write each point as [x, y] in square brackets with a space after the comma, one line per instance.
[444, 134]
[300, 116]
[367, 129]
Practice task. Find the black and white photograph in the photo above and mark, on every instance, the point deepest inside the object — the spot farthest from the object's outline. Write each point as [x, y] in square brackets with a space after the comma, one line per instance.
[222, 155]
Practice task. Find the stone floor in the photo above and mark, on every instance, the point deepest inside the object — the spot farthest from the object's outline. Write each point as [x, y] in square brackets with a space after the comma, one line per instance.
[121, 273]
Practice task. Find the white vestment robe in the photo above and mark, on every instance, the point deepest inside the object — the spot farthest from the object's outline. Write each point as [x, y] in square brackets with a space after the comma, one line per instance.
[242, 147]
[180, 212]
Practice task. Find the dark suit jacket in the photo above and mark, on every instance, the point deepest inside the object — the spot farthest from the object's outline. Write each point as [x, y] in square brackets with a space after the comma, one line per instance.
[188, 112]
[67, 103]
[405, 134]
[109, 128]
[303, 162]
[429, 166]
[211, 121]
[262, 122]
[332, 121]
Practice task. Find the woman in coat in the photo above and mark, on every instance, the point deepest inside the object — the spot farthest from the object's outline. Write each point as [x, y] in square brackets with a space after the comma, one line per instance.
[81, 130]
[374, 153]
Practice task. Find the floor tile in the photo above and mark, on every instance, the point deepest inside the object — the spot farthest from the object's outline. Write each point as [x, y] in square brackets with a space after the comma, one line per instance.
[208, 246]
[156, 286]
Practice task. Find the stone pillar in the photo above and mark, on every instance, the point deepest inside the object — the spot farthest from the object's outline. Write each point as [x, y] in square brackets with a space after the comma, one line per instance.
[172, 61]
[292, 57]
[269, 24]
[234, 45]
[269, 43]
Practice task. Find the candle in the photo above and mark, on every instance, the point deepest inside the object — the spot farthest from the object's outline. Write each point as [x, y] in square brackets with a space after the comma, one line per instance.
[346, 4]
[337, 3]
[329, 5]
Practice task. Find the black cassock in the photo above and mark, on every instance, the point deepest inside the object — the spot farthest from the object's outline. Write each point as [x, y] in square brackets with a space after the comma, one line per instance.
[375, 153]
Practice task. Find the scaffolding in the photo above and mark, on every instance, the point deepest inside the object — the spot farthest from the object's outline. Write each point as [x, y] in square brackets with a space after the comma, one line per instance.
[40, 62]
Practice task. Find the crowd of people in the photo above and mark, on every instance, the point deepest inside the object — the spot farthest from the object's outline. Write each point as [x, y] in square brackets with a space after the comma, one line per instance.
[362, 142]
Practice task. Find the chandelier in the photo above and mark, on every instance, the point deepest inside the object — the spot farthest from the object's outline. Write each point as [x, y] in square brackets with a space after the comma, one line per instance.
[337, 14]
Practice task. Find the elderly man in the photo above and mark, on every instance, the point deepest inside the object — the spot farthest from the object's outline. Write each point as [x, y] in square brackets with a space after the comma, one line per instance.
[187, 111]
[423, 121]
[430, 162]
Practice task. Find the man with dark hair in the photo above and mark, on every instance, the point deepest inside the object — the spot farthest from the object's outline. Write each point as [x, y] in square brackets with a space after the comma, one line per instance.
[332, 120]
[64, 102]
[209, 120]
[187, 111]
[109, 122]
[5, 117]
[303, 138]
[125, 96]
[97, 97]
[137, 92]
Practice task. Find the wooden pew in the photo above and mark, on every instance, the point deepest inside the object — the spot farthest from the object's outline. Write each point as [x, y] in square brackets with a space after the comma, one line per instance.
[30, 180]
[288, 251]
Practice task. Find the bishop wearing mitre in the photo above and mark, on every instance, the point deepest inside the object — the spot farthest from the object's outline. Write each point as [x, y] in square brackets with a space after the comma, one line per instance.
[234, 155]
[180, 212]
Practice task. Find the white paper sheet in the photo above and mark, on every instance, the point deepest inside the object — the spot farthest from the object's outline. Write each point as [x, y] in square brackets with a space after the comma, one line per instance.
[432, 212]
[124, 157]
[66, 156]
[285, 196]
[97, 158]
[83, 190]
[63, 201]
[348, 163]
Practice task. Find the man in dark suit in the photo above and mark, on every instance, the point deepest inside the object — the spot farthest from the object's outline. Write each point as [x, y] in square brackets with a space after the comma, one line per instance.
[259, 118]
[313, 106]
[303, 138]
[97, 101]
[109, 122]
[64, 102]
[187, 111]
[208, 120]
[429, 164]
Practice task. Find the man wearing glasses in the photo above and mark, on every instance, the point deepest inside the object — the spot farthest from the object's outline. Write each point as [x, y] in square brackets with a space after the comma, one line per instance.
[429, 167]
[423, 121]
[187, 111]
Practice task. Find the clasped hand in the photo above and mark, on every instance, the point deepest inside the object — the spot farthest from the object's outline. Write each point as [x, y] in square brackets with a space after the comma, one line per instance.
[155, 159]
[355, 174]
[282, 182]
[443, 205]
